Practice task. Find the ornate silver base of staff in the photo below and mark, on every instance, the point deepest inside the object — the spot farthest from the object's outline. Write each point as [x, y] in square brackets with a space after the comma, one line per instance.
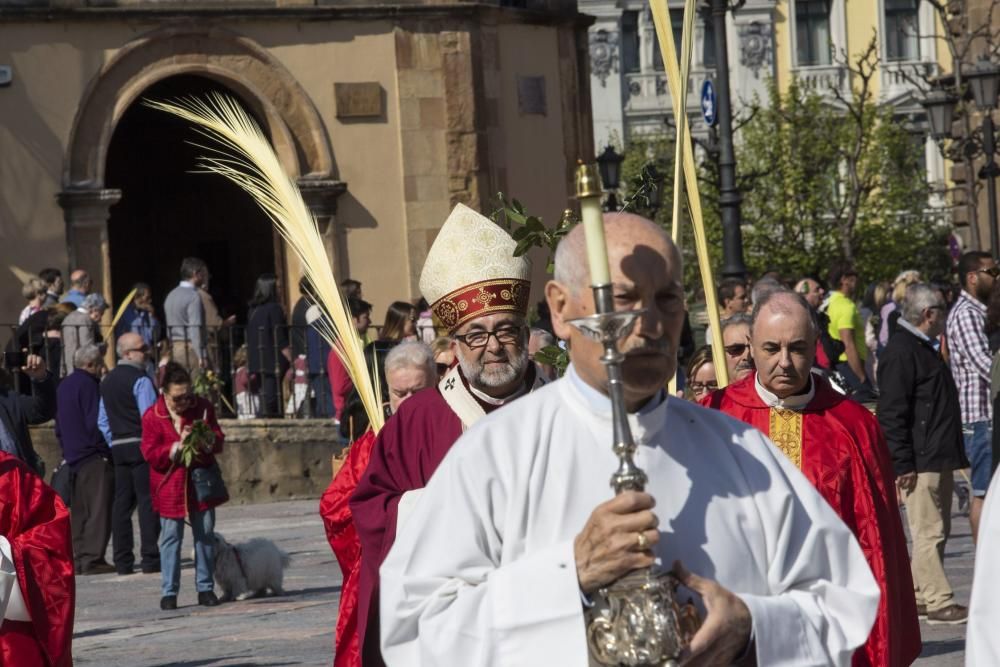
[636, 620]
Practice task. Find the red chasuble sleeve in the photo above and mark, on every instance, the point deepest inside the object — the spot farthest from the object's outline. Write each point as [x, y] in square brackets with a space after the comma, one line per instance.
[36, 523]
[336, 514]
[843, 455]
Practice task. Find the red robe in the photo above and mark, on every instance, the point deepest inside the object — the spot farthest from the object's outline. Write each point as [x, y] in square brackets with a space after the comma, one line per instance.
[839, 447]
[36, 523]
[336, 514]
[406, 453]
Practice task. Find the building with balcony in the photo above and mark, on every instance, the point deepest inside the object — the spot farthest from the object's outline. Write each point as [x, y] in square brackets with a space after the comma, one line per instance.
[780, 39]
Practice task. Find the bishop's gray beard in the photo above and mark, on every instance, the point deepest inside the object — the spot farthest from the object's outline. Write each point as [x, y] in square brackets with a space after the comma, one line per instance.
[481, 377]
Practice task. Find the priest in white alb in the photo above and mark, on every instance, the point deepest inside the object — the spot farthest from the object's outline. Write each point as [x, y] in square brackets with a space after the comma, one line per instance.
[518, 527]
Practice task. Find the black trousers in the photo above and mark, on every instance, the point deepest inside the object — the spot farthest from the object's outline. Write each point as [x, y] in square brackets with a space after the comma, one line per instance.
[90, 513]
[131, 493]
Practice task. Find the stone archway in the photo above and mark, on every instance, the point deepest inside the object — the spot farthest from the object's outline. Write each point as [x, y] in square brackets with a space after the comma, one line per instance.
[290, 118]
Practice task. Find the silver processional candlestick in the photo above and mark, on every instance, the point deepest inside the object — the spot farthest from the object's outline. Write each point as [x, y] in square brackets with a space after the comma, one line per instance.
[636, 620]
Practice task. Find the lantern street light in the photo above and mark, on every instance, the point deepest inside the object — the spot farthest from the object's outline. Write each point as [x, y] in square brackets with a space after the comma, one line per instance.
[609, 164]
[940, 108]
[984, 80]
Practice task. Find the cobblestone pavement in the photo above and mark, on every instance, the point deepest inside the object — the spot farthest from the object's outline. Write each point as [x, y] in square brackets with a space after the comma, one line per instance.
[119, 624]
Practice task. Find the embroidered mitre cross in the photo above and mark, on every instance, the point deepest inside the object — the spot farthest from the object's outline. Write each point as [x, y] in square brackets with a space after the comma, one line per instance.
[786, 432]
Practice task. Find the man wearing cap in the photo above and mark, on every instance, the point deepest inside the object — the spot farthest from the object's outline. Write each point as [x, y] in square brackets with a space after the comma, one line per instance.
[479, 291]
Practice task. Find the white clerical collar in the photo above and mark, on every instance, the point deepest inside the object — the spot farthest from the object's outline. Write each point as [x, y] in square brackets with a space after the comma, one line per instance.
[796, 402]
[489, 400]
[599, 402]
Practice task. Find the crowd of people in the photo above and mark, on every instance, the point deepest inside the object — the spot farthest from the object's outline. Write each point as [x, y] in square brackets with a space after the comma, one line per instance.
[483, 501]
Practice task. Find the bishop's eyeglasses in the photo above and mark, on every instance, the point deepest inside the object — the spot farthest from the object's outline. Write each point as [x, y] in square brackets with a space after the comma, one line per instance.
[474, 340]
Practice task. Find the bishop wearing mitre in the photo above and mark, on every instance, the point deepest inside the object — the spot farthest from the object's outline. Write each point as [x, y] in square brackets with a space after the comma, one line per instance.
[478, 290]
[518, 527]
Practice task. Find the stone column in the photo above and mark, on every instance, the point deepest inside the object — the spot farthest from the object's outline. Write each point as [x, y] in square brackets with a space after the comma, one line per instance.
[320, 195]
[86, 212]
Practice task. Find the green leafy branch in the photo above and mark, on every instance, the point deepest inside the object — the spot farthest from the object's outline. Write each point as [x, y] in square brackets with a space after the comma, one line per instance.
[197, 441]
[527, 230]
[555, 356]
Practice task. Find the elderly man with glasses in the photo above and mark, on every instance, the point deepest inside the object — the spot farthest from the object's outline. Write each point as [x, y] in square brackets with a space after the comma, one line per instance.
[736, 343]
[126, 393]
[479, 291]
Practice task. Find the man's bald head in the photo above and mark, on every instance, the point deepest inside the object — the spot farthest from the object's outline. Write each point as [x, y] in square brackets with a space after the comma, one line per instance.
[783, 338]
[789, 304]
[646, 274]
[620, 230]
[128, 342]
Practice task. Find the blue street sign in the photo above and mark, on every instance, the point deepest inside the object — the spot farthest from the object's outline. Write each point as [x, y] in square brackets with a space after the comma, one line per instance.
[708, 103]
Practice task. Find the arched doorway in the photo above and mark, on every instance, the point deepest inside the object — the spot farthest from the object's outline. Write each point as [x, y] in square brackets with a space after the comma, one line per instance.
[168, 212]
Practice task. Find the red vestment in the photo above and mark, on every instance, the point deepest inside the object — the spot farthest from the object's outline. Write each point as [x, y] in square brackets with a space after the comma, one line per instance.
[36, 523]
[839, 447]
[336, 514]
[406, 453]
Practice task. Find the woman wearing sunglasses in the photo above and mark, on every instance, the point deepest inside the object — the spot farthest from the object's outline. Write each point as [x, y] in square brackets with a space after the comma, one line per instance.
[164, 429]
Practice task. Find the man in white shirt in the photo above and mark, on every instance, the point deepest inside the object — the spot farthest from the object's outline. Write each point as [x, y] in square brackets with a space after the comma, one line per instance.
[519, 519]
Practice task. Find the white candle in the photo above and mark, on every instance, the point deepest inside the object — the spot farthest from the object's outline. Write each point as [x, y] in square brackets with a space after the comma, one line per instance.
[597, 248]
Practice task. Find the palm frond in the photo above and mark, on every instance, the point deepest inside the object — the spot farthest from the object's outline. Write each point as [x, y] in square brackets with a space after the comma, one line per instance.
[240, 152]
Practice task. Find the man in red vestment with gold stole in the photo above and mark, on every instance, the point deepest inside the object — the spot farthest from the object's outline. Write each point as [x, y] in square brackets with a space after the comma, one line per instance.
[37, 590]
[839, 447]
[479, 291]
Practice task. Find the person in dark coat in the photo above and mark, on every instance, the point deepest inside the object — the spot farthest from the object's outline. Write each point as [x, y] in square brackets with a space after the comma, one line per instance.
[268, 351]
[919, 412]
[89, 457]
[18, 412]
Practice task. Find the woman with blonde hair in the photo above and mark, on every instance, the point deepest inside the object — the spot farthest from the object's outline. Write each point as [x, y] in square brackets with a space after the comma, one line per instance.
[700, 378]
[893, 308]
[34, 292]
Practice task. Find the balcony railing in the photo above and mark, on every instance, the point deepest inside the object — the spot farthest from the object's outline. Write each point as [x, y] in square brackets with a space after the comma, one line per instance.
[822, 79]
[649, 92]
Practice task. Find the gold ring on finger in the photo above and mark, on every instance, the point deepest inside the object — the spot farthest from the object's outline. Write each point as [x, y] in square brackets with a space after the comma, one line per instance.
[642, 540]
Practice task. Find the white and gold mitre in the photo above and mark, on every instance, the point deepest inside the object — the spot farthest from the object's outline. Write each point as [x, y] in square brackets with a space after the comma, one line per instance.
[471, 271]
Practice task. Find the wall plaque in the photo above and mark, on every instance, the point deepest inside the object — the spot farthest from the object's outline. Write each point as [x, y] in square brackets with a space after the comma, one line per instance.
[531, 95]
[359, 100]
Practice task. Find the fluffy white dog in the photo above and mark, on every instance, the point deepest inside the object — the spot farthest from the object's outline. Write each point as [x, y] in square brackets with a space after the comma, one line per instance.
[249, 569]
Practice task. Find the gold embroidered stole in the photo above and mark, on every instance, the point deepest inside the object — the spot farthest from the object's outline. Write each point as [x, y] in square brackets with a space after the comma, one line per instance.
[786, 432]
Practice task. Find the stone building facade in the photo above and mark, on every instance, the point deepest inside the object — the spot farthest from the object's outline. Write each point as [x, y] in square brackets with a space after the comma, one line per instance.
[386, 115]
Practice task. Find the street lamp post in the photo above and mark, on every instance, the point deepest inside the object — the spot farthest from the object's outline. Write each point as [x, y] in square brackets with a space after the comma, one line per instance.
[729, 196]
[609, 165]
[984, 79]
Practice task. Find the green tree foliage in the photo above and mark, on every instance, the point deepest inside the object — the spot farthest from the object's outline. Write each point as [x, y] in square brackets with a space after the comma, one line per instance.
[822, 177]
[823, 181]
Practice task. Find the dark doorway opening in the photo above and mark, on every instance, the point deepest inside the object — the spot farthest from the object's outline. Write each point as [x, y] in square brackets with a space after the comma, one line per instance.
[167, 212]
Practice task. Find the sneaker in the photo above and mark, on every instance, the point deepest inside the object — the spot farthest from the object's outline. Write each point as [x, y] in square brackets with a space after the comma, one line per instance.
[954, 614]
[921, 610]
[168, 602]
[207, 599]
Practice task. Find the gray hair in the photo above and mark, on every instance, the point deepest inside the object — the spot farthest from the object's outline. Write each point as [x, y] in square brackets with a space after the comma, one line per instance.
[544, 337]
[738, 318]
[411, 354]
[94, 301]
[784, 294]
[919, 297]
[86, 355]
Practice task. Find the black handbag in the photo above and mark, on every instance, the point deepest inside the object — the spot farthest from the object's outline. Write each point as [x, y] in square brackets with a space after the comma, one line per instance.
[208, 484]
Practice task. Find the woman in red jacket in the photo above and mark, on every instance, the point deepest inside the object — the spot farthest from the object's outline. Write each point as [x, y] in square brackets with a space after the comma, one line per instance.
[164, 428]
